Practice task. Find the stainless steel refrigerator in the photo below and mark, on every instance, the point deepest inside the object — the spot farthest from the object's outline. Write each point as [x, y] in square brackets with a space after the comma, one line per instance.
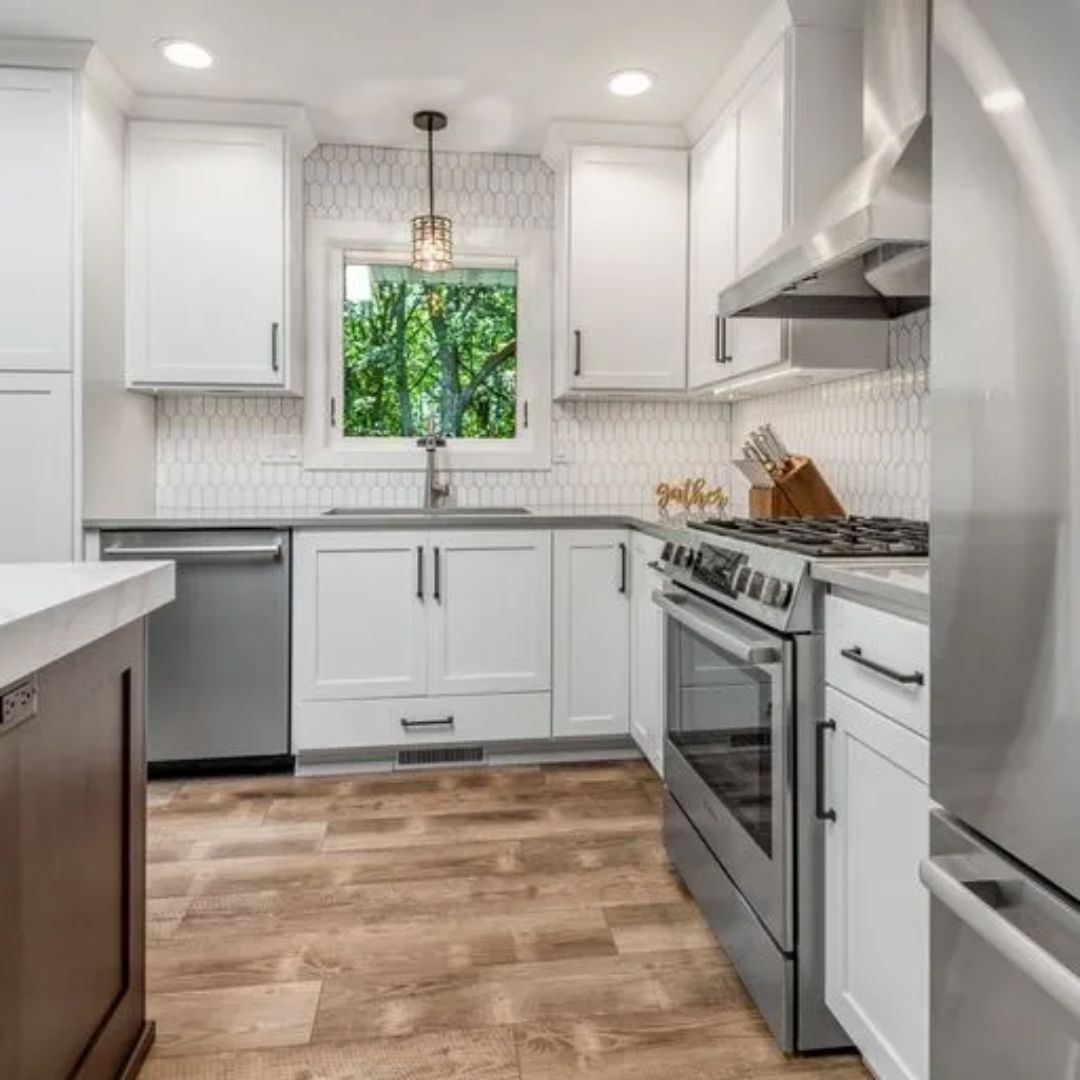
[1004, 874]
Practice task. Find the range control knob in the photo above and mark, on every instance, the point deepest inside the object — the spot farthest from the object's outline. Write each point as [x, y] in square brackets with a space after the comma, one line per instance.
[689, 557]
[677, 558]
[665, 555]
[770, 591]
[743, 579]
[783, 597]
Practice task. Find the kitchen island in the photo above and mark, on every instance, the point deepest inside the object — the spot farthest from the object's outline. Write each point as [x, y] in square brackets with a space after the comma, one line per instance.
[72, 816]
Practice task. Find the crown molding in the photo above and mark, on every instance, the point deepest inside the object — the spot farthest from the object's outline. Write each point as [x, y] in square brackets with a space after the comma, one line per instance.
[60, 53]
[562, 134]
[293, 118]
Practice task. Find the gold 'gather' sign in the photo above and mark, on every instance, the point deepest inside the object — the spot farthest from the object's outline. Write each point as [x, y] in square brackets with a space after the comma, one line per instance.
[689, 493]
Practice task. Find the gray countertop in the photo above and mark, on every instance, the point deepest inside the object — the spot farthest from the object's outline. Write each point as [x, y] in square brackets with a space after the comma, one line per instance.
[644, 519]
[901, 581]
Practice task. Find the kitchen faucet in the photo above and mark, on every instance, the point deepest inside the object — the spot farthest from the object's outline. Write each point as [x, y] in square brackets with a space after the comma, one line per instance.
[433, 491]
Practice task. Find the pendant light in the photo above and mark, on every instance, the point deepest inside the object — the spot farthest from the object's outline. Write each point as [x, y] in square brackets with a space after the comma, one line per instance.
[432, 234]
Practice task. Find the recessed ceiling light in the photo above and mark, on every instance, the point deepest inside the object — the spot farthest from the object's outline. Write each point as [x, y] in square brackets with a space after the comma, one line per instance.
[1007, 99]
[185, 53]
[629, 82]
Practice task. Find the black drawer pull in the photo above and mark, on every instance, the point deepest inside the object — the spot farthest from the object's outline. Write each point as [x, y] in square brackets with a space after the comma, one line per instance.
[855, 655]
[446, 721]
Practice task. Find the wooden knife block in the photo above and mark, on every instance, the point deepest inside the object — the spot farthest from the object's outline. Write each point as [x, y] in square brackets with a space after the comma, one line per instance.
[769, 502]
[800, 491]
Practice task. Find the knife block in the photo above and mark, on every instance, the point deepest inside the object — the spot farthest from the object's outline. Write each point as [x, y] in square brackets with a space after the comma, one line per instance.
[769, 502]
[805, 492]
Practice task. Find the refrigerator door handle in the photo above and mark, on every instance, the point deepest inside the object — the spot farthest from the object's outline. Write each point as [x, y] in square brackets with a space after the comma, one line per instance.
[1040, 966]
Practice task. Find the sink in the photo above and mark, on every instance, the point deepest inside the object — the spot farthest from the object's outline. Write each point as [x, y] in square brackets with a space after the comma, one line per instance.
[419, 511]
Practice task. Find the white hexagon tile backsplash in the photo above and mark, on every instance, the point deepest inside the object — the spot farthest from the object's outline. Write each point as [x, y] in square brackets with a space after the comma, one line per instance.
[869, 433]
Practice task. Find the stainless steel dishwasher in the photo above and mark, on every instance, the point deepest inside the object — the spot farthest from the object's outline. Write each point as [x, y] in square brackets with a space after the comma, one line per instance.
[218, 677]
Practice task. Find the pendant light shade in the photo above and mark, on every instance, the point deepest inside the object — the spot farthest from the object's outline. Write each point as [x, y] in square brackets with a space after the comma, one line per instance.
[432, 234]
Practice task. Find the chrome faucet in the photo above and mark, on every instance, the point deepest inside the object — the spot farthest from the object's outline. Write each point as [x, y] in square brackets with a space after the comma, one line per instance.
[433, 491]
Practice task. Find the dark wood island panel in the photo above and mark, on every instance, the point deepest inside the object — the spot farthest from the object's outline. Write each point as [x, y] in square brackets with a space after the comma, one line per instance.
[72, 869]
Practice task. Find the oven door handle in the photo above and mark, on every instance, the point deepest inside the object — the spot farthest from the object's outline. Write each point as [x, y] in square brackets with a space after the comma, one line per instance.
[748, 651]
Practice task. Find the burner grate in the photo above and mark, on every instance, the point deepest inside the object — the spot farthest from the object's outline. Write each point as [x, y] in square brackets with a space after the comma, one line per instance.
[830, 537]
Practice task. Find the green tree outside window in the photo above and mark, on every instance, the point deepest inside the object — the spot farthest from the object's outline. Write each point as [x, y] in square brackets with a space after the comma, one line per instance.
[420, 345]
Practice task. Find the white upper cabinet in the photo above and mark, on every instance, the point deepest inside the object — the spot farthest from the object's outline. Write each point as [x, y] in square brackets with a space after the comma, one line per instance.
[209, 246]
[787, 136]
[713, 165]
[592, 633]
[37, 185]
[490, 612]
[621, 312]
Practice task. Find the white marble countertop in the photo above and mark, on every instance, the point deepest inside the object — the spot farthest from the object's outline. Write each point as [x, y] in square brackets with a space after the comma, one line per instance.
[48, 610]
[905, 581]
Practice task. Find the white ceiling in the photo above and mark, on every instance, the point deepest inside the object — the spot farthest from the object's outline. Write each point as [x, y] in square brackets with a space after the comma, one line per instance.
[502, 69]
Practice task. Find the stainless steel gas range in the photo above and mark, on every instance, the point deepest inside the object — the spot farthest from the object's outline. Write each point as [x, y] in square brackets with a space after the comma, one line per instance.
[744, 708]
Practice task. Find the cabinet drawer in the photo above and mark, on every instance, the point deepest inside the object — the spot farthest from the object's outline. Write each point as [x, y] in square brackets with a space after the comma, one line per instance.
[426, 721]
[880, 659]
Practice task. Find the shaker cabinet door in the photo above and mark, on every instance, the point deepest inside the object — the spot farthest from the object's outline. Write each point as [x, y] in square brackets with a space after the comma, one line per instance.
[36, 468]
[37, 182]
[490, 611]
[359, 615]
[206, 295]
[592, 633]
[877, 912]
[627, 268]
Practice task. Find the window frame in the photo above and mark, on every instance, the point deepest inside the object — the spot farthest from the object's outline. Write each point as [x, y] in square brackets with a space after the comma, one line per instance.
[325, 444]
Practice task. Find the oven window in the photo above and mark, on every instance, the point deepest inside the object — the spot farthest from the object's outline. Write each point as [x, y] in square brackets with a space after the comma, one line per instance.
[720, 720]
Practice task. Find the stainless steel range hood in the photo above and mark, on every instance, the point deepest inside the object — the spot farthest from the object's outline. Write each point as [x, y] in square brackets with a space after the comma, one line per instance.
[866, 253]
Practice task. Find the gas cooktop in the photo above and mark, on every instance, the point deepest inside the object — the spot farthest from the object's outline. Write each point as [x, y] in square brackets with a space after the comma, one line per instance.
[829, 537]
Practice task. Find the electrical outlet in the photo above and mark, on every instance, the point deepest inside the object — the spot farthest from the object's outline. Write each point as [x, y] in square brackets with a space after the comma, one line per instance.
[19, 703]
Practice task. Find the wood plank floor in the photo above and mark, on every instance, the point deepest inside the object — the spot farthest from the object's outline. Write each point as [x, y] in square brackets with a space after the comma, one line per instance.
[490, 924]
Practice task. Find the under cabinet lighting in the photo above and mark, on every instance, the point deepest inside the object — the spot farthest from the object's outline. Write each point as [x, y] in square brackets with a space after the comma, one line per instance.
[184, 53]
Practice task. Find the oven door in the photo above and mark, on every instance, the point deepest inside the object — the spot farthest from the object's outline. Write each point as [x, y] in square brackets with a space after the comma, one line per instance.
[728, 749]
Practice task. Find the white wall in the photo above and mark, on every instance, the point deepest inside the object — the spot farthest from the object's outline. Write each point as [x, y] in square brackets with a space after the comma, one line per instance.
[118, 426]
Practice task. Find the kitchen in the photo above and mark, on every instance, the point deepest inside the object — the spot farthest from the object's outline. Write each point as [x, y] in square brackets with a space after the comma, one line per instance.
[465, 572]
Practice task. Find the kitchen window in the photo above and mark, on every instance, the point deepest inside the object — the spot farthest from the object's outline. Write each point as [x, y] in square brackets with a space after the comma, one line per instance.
[422, 348]
[393, 350]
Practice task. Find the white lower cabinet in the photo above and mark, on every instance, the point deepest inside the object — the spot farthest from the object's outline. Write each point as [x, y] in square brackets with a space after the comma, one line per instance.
[402, 637]
[592, 632]
[360, 621]
[646, 651]
[877, 912]
[489, 604]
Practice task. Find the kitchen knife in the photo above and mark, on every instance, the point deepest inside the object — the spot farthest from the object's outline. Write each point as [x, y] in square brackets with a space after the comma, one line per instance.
[764, 450]
[755, 472]
[784, 452]
[776, 451]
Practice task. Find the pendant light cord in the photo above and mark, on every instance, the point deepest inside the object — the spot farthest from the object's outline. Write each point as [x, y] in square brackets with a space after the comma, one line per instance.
[431, 168]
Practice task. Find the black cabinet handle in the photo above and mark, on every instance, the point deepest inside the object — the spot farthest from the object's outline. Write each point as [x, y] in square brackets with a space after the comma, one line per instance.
[275, 358]
[446, 721]
[855, 655]
[622, 568]
[437, 591]
[720, 344]
[577, 352]
[820, 810]
[419, 571]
